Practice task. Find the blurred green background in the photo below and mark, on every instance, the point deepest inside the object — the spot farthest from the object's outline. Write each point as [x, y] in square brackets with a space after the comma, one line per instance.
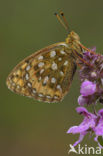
[28, 127]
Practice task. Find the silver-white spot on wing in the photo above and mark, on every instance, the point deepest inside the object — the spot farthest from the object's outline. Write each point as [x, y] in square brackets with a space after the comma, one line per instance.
[65, 63]
[41, 95]
[40, 78]
[48, 96]
[28, 68]
[59, 59]
[34, 90]
[54, 66]
[40, 57]
[61, 73]
[62, 52]
[58, 87]
[45, 80]
[52, 54]
[27, 76]
[41, 71]
[41, 64]
[53, 80]
[29, 84]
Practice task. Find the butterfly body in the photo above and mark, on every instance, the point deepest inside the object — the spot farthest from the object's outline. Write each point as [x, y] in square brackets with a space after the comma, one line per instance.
[46, 75]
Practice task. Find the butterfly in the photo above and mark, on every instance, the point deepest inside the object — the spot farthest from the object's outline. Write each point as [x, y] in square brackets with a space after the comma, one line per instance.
[47, 74]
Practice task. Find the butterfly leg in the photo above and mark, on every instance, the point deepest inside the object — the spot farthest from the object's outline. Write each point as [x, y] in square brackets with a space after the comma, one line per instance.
[92, 52]
[80, 58]
[80, 66]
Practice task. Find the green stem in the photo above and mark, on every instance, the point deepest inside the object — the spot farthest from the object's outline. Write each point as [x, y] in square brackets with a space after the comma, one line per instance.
[94, 110]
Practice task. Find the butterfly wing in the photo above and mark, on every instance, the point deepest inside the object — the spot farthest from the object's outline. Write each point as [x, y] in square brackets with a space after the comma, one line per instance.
[46, 75]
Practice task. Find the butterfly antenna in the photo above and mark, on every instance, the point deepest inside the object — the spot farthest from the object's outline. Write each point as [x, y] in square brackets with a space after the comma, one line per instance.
[64, 19]
[60, 20]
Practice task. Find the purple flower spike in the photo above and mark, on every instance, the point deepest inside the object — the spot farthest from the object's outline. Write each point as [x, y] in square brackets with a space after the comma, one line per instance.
[91, 76]
[88, 88]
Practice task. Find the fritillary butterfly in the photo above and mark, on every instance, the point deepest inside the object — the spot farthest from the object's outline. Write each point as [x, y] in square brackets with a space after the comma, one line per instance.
[46, 75]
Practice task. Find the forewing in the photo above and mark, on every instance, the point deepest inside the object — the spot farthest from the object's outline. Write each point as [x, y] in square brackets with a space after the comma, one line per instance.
[46, 75]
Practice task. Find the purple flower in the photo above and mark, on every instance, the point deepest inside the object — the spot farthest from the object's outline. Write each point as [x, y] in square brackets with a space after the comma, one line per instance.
[91, 123]
[82, 100]
[88, 88]
[99, 128]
